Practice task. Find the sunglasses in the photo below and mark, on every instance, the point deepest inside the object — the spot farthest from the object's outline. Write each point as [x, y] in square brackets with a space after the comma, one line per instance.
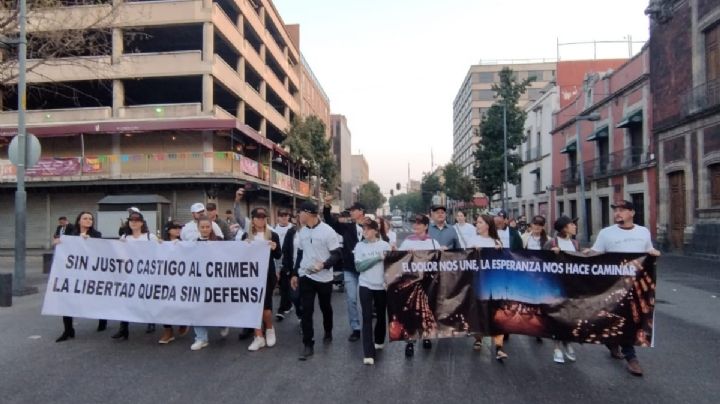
[260, 216]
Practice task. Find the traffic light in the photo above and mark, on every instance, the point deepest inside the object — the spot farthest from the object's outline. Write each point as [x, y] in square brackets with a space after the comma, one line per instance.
[392, 192]
[397, 186]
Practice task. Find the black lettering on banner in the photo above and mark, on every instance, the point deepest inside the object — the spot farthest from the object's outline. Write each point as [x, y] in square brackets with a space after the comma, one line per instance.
[232, 294]
[76, 262]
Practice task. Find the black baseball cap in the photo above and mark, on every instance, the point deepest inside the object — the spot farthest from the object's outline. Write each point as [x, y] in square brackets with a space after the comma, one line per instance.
[502, 214]
[174, 225]
[433, 208]
[259, 213]
[623, 204]
[308, 207]
[563, 221]
[357, 206]
[371, 224]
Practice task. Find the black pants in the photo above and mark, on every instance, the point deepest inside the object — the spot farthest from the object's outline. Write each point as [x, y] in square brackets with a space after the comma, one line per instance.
[288, 296]
[308, 289]
[68, 323]
[368, 299]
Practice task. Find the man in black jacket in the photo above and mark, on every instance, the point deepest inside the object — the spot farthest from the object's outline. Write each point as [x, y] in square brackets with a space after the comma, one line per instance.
[63, 227]
[351, 233]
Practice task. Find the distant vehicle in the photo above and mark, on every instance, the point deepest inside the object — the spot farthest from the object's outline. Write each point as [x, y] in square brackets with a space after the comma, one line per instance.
[396, 221]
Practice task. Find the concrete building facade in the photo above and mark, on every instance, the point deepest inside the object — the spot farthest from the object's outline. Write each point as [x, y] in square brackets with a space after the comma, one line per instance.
[190, 110]
[360, 173]
[341, 149]
[686, 127]
[476, 96]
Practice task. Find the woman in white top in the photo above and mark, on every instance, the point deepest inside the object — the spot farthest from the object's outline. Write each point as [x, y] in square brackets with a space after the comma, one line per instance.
[536, 237]
[369, 255]
[135, 230]
[205, 233]
[465, 230]
[566, 229]
[487, 237]
[419, 240]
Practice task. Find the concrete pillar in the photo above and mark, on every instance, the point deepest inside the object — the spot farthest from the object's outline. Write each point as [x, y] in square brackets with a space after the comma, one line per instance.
[241, 68]
[207, 93]
[263, 127]
[286, 82]
[207, 147]
[286, 113]
[261, 14]
[118, 97]
[208, 41]
[241, 111]
[263, 90]
[118, 46]
[697, 40]
[116, 151]
[263, 53]
[240, 24]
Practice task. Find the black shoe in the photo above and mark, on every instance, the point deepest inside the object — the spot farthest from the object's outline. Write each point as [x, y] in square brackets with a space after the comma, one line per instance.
[150, 329]
[307, 352]
[354, 336]
[279, 317]
[538, 340]
[409, 350]
[102, 325]
[67, 334]
[245, 333]
[506, 337]
[427, 344]
[327, 338]
[121, 334]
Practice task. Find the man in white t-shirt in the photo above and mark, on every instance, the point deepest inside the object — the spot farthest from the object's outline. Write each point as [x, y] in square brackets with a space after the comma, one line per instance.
[190, 230]
[628, 237]
[318, 252]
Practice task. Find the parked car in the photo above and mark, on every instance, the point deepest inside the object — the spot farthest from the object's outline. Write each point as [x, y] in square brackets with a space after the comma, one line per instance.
[397, 221]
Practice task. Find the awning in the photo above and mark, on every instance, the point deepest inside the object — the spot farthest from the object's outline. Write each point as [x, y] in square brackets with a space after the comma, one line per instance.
[535, 171]
[570, 147]
[600, 133]
[634, 118]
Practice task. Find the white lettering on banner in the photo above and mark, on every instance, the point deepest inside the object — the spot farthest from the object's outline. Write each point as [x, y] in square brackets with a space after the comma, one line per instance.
[180, 283]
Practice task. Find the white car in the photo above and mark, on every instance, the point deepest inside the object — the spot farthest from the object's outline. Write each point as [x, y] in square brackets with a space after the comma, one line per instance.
[396, 221]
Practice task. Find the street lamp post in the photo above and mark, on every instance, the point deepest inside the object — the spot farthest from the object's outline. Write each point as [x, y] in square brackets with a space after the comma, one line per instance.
[581, 174]
[505, 156]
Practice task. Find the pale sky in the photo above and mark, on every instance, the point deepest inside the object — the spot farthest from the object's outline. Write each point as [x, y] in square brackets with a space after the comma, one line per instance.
[393, 67]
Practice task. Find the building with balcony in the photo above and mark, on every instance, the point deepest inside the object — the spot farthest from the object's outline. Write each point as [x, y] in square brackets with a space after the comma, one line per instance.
[686, 127]
[476, 96]
[614, 156]
[190, 101]
[341, 139]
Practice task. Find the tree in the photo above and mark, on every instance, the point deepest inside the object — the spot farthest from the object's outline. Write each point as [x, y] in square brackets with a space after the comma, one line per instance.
[489, 164]
[307, 142]
[369, 195]
[458, 186]
[56, 46]
[411, 202]
[429, 186]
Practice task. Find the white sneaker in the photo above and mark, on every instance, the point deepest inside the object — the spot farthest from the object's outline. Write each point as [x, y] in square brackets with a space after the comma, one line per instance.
[198, 345]
[368, 361]
[224, 332]
[570, 353]
[379, 346]
[558, 356]
[270, 338]
[258, 342]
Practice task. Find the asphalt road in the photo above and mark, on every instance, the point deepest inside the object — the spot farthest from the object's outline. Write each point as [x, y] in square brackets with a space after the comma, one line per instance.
[92, 368]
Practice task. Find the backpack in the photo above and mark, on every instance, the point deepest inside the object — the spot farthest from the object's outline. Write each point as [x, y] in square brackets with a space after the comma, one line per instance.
[554, 243]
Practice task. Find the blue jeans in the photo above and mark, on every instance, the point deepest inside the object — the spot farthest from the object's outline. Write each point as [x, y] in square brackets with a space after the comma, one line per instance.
[351, 296]
[201, 333]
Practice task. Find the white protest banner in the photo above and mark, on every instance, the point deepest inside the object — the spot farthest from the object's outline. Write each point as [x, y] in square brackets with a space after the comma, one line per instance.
[209, 283]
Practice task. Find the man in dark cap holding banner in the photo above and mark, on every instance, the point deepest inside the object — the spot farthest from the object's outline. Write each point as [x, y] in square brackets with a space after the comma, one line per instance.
[625, 237]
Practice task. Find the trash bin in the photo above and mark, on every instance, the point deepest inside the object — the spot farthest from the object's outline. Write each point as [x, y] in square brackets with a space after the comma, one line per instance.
[47, 262]
[5, 290]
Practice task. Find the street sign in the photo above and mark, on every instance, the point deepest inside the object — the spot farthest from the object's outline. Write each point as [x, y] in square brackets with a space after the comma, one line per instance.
[32, 154]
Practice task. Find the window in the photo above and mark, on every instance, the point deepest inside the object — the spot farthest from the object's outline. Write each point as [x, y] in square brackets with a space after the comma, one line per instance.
[714, 175]
[605, 211]
[588, 219]
[561, 208]
[535, 75]
[639, 201]
[486, 77]
[483, 95]
[573, 209]
[712, 53]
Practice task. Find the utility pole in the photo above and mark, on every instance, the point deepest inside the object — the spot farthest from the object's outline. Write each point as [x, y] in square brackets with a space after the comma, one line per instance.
[505, 156]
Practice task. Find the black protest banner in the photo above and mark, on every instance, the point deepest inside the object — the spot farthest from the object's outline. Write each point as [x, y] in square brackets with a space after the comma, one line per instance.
[607, 298]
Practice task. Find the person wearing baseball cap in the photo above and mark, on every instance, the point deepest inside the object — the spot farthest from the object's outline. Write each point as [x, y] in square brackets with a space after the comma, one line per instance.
[625, 237]
[509, 236]
[318, 252]
[351, 232]
[190, 230]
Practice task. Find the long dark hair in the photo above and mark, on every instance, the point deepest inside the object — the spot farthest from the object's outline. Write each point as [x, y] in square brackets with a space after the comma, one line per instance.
[383, 229]
[539, 220]
[127, 231]
[492, 229]
[76, 230]
[204, 218]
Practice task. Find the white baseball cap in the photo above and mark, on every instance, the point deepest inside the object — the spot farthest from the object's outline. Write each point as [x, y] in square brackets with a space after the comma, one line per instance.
[133, 209]
[197, 207]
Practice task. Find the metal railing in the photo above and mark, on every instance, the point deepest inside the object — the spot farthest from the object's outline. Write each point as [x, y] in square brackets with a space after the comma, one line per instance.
[569, 176]
[702, 97]
[615, 163]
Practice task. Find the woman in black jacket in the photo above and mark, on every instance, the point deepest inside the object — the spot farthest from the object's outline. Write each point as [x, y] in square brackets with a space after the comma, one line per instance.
[259, 230]
[84, 227]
